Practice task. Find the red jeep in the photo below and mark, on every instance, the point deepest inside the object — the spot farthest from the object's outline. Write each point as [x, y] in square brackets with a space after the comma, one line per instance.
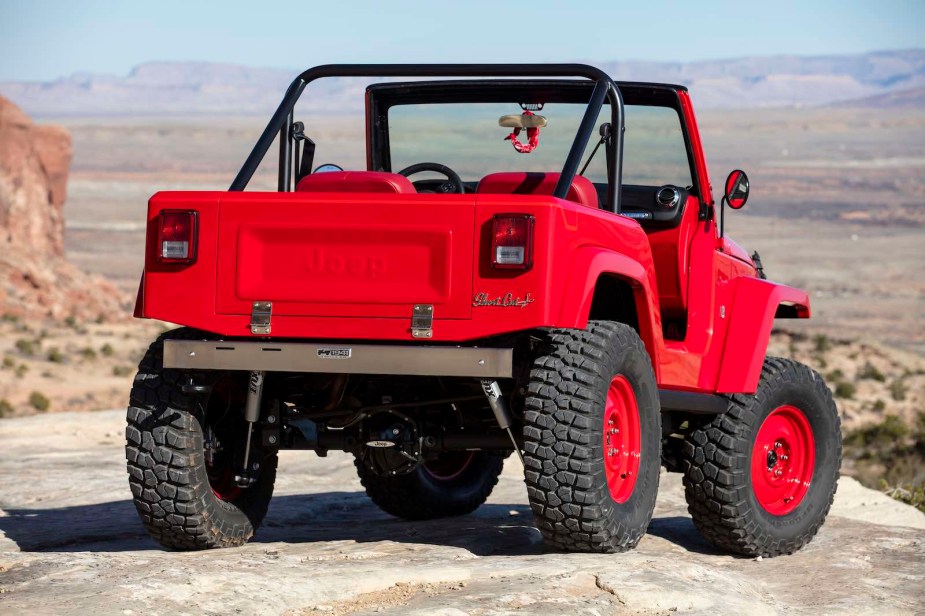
[561, 291]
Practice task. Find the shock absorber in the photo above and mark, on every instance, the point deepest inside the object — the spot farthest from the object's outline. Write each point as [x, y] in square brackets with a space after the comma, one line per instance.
[502, 413]
[245, 477]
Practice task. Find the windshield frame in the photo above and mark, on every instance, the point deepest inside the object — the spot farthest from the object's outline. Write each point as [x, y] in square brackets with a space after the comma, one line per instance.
[604, 88]
[382, 97]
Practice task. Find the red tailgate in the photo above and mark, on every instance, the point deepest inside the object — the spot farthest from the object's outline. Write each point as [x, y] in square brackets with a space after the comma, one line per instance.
[364, 255]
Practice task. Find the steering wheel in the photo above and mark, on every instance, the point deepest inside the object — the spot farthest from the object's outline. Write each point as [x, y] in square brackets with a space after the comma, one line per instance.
[452, 185]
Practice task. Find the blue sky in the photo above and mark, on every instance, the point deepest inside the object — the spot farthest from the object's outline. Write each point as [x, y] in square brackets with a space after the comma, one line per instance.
[45, 39]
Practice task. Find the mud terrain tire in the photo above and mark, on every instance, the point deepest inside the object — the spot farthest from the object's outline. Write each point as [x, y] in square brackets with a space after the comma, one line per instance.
[166, 463]
[433, 490]
[579, 504]
[739, 485]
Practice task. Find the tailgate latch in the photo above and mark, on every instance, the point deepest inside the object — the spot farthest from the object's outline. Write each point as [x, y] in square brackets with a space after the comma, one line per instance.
[422, 321]
[261, 313]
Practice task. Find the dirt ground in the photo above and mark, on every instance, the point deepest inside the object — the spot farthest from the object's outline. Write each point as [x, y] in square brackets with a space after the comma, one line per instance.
[71, 542]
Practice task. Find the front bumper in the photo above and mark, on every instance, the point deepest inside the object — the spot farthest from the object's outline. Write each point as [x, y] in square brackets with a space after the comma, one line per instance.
[339, 358]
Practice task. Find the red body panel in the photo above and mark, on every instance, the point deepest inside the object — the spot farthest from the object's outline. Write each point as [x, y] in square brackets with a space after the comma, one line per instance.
[392, 252]
[348, 261]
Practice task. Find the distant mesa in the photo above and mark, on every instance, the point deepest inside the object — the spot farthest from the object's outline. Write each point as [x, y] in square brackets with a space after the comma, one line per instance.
[36, 281]
[190, 88]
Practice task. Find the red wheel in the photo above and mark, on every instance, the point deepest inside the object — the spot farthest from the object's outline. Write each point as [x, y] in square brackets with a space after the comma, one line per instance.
[222, 483]
[450, 465]
[592, 438]
[783, 460]
[622, 439]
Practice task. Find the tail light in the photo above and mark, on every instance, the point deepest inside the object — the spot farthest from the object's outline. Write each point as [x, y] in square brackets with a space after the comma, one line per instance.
[177, 236]
[512, 241]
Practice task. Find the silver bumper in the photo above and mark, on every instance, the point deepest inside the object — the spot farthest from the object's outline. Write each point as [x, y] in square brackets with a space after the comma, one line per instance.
[338, 358]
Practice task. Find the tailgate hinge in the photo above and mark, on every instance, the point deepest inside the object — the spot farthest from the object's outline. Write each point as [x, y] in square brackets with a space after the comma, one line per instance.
[261, 313]
[422, 321]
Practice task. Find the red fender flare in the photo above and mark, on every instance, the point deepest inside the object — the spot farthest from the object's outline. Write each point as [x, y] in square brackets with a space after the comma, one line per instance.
[755, 304]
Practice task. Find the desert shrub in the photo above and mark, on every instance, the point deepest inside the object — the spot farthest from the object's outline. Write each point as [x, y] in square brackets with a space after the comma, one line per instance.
[898, 390]
[6, 409]
[906, 493]
[122, 370]
[835, 375]
[879, 405]
[88, 354]
[920, 427]
[891, 456]
[21, 370]
[821, 362]
[26, 347]
[846, 390]
[821, 343]
[870, 371]
[71, 322]
[39, 401]
[9, 318]
[878, 437]
[8, 362]
[55, 355]
[107, 350]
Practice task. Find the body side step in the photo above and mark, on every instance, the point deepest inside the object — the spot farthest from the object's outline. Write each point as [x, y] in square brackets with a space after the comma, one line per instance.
[692, 402]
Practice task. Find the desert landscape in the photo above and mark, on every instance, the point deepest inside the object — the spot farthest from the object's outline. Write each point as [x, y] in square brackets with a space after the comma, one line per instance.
[837, 208]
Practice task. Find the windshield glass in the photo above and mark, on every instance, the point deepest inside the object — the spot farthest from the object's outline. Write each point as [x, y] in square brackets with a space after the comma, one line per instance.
[467, 138]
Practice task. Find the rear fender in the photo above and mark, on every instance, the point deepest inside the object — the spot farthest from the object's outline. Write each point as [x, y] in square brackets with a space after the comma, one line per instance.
[755, 305]
[579, 294]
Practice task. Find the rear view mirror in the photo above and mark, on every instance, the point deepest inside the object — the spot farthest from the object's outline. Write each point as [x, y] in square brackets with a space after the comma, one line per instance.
[736, 189]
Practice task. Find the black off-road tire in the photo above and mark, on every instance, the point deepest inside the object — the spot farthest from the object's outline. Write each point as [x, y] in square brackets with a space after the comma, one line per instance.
[717, 458]
[166, 463]
[564, 439]
[419, 495]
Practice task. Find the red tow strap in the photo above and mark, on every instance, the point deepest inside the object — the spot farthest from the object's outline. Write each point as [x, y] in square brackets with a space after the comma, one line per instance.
[533, 138]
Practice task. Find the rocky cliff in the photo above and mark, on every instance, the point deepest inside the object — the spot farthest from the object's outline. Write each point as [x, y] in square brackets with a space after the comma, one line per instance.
[36, 281]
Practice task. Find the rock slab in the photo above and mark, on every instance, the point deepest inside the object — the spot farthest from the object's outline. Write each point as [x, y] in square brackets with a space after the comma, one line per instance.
[70, 542]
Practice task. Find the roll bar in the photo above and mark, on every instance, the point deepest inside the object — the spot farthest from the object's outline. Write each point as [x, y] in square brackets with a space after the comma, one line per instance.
[604, 87]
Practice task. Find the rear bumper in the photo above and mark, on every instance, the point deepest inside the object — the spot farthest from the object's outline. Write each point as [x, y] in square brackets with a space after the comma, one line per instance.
[339, 358]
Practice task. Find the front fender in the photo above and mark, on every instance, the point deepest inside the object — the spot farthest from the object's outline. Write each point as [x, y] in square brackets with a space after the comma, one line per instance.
[755, 304]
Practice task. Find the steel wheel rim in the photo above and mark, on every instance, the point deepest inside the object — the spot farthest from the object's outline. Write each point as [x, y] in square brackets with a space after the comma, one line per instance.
[223, 485]
[622, 439]
[783, 460]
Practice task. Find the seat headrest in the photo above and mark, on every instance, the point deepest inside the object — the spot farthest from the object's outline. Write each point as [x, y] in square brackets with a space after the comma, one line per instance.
[356, 181]
[582, 190]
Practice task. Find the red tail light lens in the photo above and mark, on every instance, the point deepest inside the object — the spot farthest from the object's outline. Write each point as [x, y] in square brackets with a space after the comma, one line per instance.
[512, 241]
[177, 235]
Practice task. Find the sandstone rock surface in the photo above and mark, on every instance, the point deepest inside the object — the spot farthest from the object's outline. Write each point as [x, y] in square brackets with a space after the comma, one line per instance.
[70, 542]
[35, 279]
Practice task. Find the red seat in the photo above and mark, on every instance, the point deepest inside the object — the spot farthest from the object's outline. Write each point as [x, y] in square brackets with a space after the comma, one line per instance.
[581, 191]
[356, 181]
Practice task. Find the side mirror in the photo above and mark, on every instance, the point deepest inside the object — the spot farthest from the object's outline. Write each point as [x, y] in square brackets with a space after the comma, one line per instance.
[736, 195]
[736, 189]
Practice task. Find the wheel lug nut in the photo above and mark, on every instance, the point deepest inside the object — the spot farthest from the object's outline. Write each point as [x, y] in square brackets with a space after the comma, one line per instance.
[778, 473]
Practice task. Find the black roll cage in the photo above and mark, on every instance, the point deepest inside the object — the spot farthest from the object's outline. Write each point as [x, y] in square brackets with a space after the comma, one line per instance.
[604, 88]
